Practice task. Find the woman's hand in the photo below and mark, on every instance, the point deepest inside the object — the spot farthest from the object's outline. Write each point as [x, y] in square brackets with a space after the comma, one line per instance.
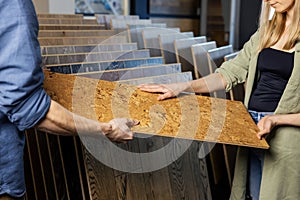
[168, 90]
[119, 129]
[265, 125]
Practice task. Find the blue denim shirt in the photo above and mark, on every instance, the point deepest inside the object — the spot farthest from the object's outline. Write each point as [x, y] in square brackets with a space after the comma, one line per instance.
[23, 102]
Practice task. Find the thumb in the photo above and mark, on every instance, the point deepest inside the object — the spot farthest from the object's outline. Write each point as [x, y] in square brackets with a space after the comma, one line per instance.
[132, 122]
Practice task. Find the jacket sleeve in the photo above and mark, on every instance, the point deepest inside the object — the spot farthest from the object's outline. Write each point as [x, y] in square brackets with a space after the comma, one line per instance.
[22, 98]
[235, 71]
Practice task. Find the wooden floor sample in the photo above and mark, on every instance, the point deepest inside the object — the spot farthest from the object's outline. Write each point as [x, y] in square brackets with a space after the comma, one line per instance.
[188, 117]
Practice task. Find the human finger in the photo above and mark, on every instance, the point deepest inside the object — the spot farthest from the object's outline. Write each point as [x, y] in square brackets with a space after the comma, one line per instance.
[261, 134]
[132, 122]
[152, 88]
[165, 96]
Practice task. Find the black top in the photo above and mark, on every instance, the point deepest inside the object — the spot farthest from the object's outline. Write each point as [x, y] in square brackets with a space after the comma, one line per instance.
[275, 69]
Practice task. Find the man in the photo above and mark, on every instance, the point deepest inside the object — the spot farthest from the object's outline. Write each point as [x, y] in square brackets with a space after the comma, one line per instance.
[23, 102]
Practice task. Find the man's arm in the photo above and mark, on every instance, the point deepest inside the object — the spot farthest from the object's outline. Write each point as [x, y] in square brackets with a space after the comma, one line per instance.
[60, 121]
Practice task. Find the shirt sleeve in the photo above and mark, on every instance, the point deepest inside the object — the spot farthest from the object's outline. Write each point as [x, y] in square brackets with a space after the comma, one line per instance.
[235, 71]
[22, 97]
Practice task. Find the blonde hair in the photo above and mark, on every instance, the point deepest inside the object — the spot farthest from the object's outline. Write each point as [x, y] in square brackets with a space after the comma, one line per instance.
[272, 30]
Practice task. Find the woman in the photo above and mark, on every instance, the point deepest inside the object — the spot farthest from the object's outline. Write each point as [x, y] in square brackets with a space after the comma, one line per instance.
[270, 61]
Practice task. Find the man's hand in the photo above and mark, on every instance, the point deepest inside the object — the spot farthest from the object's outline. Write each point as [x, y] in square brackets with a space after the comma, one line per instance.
[119, 129]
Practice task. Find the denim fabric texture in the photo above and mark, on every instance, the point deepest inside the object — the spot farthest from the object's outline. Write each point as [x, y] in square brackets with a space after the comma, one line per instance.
[23, 102]
[256, 161]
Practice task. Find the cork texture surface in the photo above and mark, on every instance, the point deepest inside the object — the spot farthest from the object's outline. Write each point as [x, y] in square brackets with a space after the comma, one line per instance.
[189, 117]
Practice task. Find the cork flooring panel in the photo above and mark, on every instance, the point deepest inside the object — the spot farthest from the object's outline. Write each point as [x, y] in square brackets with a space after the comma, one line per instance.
[188, 117]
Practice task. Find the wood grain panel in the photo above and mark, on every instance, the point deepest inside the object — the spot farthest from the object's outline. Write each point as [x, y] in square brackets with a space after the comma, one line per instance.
[183, 49]
[36, 165]
[200, 60]
[93, 56]
[76, 33]
[137, 72]
[71, 49]
[101, 180]
[82, 40]
[167, 47]
[151, 41]
[71, 27]
[48, 15]
[29, 172]
[67, 21]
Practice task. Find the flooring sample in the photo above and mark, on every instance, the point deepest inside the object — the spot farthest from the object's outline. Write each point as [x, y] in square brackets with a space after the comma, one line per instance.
[200, 60]
[188, 117]
[76, 33]
[184, 52]
[50, 41]
[122, 23]
[135, 32]
[71, 27]
[105, 65]
[70, 49]
[47, 15]
[105, 18]
[166, 42]
[130, 73]
[238, 92]
[94, 56]
[216, 56]
[67, 21]
[162, 79]
[230, 56]
[151, 41]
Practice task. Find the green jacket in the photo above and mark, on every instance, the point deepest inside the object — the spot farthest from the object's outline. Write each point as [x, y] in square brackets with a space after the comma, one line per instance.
[281, 171]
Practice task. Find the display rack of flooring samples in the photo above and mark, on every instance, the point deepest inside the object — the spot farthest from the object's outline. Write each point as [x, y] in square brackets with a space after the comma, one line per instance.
[106, 19]
[58, 167]
[61, 154]
[183, 52]
[166, 42]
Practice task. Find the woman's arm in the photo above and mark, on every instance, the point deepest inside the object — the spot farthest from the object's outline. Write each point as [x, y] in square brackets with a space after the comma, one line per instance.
[60, 121]
[210, 83]
[267, 123]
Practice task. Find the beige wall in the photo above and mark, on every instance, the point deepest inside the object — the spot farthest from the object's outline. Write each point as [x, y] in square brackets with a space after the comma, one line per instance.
[41, 6]
[55, 6]
[62, 6]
